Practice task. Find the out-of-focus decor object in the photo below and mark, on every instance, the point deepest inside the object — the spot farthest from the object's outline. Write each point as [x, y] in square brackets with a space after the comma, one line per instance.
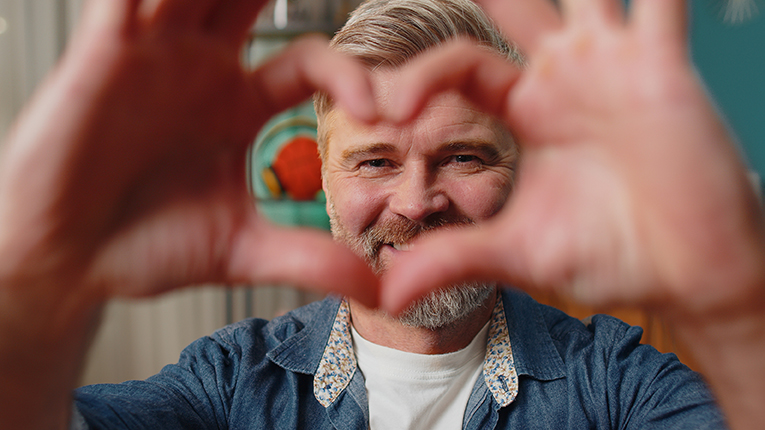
[285, 170]
[282, 18]
[296, 170]
[737, 11]
[284, 167]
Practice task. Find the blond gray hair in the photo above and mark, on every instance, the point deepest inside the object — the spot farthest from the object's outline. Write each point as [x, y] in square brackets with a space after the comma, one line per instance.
[389, 33]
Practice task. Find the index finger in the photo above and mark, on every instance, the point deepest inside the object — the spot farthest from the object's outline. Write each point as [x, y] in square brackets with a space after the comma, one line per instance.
[665, 21]
[524, 21]
[482, 76]
[308, 65]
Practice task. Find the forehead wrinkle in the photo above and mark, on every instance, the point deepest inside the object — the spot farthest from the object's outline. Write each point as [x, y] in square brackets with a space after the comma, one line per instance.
[466, 114]
[479, 131]
[454, 99]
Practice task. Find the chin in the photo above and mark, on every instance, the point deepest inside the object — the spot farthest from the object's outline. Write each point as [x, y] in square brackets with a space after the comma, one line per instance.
[447, 307]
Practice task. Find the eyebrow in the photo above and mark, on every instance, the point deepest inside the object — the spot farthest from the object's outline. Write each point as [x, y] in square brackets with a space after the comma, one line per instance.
[489, 150]
[367, 150]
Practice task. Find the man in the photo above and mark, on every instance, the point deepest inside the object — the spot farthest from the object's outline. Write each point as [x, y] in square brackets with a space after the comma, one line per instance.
[462, 357]
[65, 253]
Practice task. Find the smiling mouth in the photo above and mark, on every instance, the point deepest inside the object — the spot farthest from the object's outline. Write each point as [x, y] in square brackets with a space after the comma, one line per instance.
[400, 246]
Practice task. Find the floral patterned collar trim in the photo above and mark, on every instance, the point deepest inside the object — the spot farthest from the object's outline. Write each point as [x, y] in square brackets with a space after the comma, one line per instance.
[498, 364]
[338, 363]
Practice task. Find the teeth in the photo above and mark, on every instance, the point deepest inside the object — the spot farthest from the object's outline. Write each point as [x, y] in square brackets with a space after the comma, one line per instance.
[402, 246]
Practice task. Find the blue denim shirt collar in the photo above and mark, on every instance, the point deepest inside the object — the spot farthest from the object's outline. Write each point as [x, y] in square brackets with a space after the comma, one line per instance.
[315, 351]
[534, 350]
[302, 351]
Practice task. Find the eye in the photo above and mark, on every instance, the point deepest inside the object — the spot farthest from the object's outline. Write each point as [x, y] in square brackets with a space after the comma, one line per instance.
[375, 167]
[464, 158]
[464, 161]
[377, 162]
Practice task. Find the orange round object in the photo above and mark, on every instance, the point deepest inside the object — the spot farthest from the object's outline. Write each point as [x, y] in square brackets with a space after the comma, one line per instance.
[298, 168]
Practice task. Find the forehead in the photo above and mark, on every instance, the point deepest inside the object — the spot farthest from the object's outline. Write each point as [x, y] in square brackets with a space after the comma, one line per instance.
[447, 118]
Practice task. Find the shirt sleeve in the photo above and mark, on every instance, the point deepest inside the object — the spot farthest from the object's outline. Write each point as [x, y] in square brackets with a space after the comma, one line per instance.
[647, 389]
[195, 393]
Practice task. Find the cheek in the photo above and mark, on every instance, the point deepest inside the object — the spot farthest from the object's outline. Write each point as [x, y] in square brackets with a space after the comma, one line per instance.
[481, 199]
[356, 206]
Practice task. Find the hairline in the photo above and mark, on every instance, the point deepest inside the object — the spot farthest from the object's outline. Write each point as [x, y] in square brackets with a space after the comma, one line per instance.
[465, 19]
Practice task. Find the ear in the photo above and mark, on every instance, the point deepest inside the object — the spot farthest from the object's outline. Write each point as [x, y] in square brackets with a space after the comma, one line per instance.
[325, 188]
[322, 122]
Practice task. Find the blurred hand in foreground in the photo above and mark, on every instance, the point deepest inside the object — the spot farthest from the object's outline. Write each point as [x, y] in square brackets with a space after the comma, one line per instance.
[630, 189]
[125, 176]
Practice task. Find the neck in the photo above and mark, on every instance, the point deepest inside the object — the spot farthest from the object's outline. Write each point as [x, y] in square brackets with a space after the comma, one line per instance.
[382, 329]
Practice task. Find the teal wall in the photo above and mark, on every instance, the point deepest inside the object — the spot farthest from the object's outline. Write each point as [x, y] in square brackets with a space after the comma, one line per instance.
[731, 58]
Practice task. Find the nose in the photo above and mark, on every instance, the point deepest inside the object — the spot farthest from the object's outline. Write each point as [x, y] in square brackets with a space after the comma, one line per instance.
[416, 197]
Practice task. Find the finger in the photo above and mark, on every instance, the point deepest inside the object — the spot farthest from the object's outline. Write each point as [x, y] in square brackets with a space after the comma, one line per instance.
[663, 21]
[307, 66]
[441, 260]
[105, 14]
[233, 19]
[305, 258]
[181, 13]
[524, 21]
[593, 12]
[483, 77]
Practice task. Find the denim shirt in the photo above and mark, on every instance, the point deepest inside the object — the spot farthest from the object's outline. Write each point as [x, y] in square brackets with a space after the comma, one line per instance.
[275, 375]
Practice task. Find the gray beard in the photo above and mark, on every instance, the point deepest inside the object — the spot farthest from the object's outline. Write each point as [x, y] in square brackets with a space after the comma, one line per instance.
[444, 308]
[438, 309]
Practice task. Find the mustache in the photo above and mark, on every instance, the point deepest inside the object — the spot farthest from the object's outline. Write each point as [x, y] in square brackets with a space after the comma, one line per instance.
[403, 230]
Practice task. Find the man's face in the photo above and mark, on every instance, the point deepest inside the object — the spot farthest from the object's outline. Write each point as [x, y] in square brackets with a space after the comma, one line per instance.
[387, 185]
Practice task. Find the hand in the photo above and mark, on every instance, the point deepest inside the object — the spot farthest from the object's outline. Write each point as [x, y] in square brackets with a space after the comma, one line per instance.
[125, 176]
[630, 190]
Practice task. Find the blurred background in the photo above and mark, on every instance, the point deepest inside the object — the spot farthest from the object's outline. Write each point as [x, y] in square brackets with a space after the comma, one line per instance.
[138, 337]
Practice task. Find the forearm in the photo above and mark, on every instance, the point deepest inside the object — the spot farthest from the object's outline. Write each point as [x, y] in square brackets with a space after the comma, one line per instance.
[729, 351]
[43, 344]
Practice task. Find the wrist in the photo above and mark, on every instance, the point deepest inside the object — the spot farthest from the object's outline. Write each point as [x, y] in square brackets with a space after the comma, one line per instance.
[736, 320]
[44, 338]
[727, 345]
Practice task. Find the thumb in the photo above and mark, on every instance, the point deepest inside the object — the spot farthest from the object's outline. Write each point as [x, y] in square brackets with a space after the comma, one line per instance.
[443, 259]
[305, 258]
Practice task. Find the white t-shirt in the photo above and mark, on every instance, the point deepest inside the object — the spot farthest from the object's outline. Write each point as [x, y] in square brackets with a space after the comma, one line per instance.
[418, 391]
